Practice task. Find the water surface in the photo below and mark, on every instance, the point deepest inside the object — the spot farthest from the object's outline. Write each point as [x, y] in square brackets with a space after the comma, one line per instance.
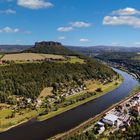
[34, 130]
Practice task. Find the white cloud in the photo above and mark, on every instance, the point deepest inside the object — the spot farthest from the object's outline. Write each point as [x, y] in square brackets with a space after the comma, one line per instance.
[122, 20]
[80, 24]
[8, 11]
[9, 30]
[65, 29]
[84, 40]
[127, 11]
[62, 38]
[127, 16]
[34, 4]
[13, 30]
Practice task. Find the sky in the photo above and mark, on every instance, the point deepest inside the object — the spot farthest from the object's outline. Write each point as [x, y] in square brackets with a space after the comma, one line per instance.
[71, 22]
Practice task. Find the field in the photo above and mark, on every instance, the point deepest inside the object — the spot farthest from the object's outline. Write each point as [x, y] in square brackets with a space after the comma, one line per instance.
[74, 59]
[136, 57]
[33, 57]
[46, 92]
[30, 57]
[93, 85]
[7, 121]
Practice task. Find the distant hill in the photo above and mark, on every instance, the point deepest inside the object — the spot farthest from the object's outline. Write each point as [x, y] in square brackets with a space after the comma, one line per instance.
[58, 48]
[50, 48]
[14, 48]
[100, 49]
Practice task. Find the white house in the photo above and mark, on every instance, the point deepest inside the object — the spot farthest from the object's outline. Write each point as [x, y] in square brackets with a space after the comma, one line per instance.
[101, 130]
[110, 119]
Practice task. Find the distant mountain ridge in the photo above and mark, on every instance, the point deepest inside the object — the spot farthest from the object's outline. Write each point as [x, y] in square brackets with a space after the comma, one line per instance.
[14, 48]
[99, 49]
[85, 50]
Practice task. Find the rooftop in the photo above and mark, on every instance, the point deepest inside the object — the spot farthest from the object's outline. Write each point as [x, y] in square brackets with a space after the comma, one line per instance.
[111, 117]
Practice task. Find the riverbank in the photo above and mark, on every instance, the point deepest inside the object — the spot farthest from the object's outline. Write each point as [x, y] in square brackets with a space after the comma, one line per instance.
[6, 124]
[72, 118]
[105, 89]
[7, 121]
[96, 118]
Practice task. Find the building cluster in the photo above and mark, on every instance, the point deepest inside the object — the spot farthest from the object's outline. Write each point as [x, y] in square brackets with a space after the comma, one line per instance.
[73, 91]
[121, 116]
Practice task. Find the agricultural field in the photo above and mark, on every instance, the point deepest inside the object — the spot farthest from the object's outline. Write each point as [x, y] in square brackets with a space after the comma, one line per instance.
[33, 57]
[30, 57]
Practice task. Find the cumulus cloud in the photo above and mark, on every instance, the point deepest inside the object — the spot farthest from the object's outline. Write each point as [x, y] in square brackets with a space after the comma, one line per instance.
[9, 30]
[13, 30]
[8, 11]
[127, 16]
[84, 40]
[65, 29]
[127, 11]
[80, 24]
[34, 4]
[122, 20]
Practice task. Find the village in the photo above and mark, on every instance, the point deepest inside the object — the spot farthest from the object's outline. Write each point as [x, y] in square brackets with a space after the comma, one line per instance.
[20, 102]
[118, 118]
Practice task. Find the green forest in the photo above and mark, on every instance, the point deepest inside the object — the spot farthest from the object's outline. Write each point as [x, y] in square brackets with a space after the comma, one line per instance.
[28, 80]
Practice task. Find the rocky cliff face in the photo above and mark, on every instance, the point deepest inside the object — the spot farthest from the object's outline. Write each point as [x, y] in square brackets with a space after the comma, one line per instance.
[50, 43]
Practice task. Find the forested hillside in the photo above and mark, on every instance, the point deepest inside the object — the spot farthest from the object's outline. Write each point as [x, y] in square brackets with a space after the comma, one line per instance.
[29, 79]
[128, 61]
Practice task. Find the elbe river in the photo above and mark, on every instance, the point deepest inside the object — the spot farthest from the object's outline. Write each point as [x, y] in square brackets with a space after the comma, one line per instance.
[34, 130]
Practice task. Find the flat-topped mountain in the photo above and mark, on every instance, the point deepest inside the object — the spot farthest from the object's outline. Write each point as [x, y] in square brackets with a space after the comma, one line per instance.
[50, 48]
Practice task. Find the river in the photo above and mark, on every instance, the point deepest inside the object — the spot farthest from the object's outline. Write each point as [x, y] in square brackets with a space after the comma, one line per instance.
[34, 130]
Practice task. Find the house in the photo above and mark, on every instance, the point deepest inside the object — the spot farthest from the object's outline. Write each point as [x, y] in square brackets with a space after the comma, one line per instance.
[99, 124]
[110, 119]
[119, 122]
[135, 110]
[39, 103]
[100, 127]
[29, 100]
[1, 63]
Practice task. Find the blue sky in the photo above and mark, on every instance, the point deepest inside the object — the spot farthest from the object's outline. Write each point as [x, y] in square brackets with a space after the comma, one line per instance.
[72, 22]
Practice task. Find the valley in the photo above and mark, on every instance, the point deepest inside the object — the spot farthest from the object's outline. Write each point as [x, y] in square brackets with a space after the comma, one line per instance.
[39, 85]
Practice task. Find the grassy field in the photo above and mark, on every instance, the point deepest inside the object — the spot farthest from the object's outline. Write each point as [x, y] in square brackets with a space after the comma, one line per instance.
[46, 92]
[30, 57]
[5, 113]
[1, 55]
[74, 59]
[6, 121]
[105, 89]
